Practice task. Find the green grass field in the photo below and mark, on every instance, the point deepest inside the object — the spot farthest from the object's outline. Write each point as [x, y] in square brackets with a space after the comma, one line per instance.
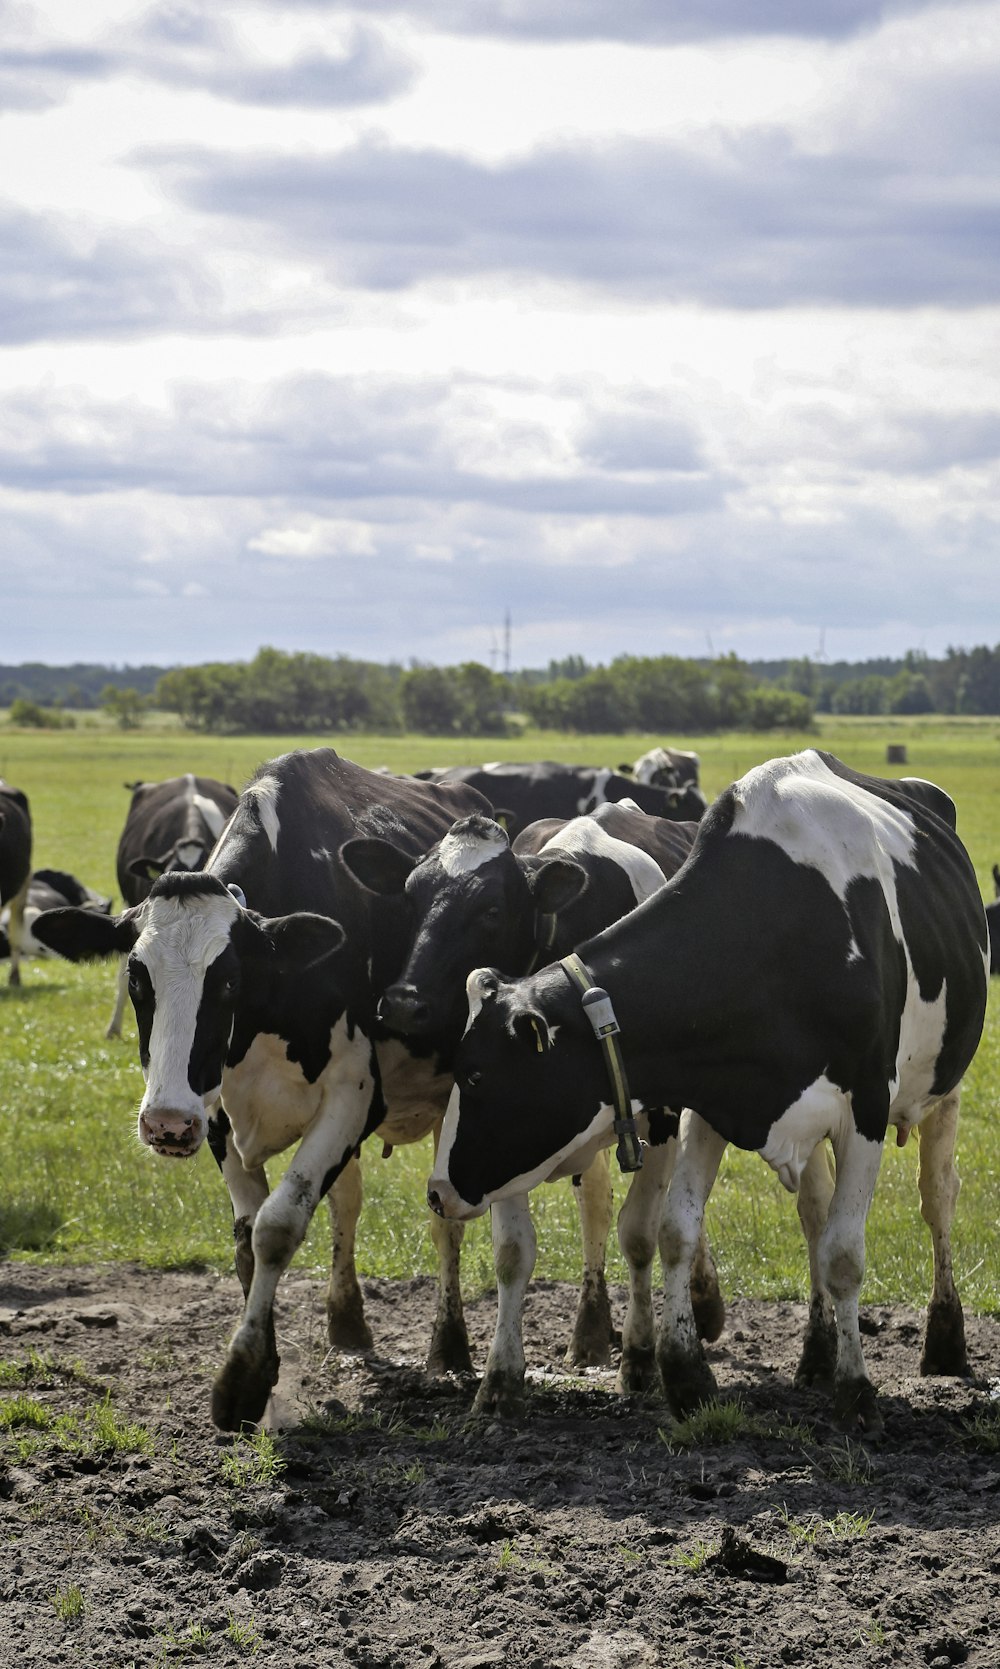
[75, 1185]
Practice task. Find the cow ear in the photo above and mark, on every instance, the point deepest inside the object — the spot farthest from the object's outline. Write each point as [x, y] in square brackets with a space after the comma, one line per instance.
[302, 939]
[556, 883]
[147, 869]
[507, 820]
[83, 936]
[377, 865]
[531, 1028]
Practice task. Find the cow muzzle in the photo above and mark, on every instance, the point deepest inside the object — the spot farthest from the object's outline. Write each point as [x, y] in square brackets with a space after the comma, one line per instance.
[176, 1135]
[446, 1201]
[404, 1010]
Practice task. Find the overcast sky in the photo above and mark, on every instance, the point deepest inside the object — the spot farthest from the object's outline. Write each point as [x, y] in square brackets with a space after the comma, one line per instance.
[667, 328]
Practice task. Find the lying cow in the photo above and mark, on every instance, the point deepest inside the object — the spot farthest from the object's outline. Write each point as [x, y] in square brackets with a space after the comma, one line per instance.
[521, 794]
[49, 889]
[817, 969]
[171, 826]
[258, 1028]
[474, 897]
[15, 867]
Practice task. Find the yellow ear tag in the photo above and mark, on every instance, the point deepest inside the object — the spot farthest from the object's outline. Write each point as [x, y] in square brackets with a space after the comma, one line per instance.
[539, 1045]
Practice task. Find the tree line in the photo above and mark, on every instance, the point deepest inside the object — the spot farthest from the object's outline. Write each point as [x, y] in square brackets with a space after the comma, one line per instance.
[282, 692]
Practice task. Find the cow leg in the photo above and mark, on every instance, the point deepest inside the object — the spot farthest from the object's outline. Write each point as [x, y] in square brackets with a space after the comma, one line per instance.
[346, 1326]
[687, 1377]
[841, 1266]
[818, 1360]
[114, 1028]
[247, 1191]
[937, 1178]
[590, 1345]
[514, 1247]
[449, 1352]
[638, 1228]
[16, 931]
[250, 1371]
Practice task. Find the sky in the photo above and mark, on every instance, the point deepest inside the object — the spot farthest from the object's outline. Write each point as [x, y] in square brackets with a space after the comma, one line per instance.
[656, 328]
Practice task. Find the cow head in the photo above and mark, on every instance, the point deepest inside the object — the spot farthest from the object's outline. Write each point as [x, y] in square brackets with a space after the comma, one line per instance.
[196, 957]
[471, 901]
[184, 857]
[529, 1092]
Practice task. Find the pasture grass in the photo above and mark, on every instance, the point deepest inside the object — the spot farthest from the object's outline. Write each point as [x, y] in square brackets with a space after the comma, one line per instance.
[76, 1186]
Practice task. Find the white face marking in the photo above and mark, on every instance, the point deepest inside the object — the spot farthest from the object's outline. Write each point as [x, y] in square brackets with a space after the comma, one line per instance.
[177, 944]
[585, 834]
[265, 798]
[462, 854]
[596, 796]
[214, 819]
[826, 823]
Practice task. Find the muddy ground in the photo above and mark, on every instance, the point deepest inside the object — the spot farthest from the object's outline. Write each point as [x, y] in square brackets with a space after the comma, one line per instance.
[377, 1527]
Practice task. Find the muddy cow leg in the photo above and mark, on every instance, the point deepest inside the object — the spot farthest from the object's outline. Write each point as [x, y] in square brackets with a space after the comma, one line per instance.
[449, 1352]
[514, 1246]
[590, 1345]
[638, 1229]
[841, 1268]
[247, 1190]
[687, 1377]
[818, 1360]
[937, 1178]
[250, 1371]
[346, 1326]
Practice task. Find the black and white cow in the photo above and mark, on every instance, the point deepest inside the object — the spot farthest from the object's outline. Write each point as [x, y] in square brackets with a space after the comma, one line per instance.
[666, 768]
[15, 867]
[49, 889]
[521, 794]
[993, 923]
[270, 1005]
[171, 826]
[816, 969]
[475, 898]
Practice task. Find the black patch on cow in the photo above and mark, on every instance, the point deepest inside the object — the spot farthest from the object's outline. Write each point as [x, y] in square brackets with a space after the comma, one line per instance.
[218, 1135]
[143, 998]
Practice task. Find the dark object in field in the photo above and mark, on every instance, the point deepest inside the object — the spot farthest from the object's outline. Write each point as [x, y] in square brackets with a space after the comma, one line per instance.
[15, 867]
[748, 1564]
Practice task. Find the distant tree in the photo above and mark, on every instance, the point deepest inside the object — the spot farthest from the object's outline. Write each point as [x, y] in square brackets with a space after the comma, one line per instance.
[430, 701]
[126, 706]
[28, 715]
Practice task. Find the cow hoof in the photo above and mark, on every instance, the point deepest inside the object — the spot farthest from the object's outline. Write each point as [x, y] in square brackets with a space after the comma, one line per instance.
[638, 1375]
[709, 1313]
[590, 1346]
[944, 1341]
[855, 1408]
[500, 1397]
[347, 1329]
[688, 1381]
[240, 1393]
[818, 1361]
[449, 1352]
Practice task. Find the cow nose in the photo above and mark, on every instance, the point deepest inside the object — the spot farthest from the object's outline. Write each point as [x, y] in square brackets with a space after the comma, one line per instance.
[404, 1009]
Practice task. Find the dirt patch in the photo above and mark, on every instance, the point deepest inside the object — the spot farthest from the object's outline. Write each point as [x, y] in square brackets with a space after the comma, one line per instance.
[378, 1527]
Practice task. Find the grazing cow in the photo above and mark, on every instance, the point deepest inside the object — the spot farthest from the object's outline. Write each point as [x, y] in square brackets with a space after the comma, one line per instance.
[993, 923]
[15, 867]
[474, 897]
[665, 768]
[170, 826]
[521, 794]
[816, 969]
[49, 889]
[271, 1007]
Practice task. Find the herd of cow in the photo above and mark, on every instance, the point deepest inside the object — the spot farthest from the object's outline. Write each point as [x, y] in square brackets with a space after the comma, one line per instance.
[532, 963]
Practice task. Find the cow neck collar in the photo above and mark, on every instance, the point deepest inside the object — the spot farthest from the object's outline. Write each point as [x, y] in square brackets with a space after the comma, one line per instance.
[545, 933]
[599, 1011]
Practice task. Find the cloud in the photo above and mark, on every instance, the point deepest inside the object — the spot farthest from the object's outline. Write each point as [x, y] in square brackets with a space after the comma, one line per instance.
[55, 283]
[36, 79]
[188, 47]
[638, 22]
[749, 221]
